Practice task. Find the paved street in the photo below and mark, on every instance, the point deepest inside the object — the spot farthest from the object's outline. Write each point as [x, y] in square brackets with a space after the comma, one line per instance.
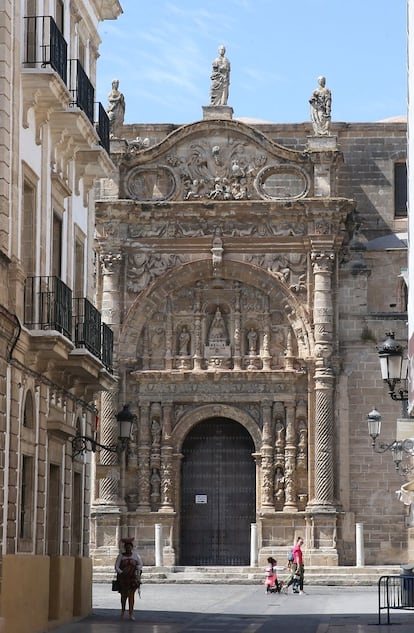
[240, 609]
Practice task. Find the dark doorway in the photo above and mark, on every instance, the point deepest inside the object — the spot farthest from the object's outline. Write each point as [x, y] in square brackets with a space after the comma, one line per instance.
[218, 494]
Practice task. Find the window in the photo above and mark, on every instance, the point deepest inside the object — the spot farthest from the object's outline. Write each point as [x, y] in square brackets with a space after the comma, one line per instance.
[77, 515]
[57, 246]
[59, 12]
[28, 417]
[79, 268]
[28, 228]
[53, 516]
[26, 498]
[400, 190]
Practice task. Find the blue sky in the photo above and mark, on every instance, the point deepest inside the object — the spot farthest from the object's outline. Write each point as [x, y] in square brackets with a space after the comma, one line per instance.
[161, 52]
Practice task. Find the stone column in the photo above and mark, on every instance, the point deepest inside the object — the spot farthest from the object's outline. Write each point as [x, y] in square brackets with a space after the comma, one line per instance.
[323, 262]
[267, 457]
[290, 461]
[111, 286]
[144, 450]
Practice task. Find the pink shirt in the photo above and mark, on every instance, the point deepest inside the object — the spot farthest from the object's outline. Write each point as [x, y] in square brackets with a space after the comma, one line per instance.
[297, 555]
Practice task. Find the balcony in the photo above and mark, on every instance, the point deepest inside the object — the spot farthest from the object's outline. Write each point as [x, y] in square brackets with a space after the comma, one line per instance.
[68, 332]
[81, 89]
[62, 95]
[48, 305]
[45, 45]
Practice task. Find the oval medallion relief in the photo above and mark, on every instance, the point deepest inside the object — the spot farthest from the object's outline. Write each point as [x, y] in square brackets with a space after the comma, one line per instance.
[150, 183]
[281, 182]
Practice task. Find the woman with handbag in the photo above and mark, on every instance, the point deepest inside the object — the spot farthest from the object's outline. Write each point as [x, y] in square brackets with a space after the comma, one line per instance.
[128, 567]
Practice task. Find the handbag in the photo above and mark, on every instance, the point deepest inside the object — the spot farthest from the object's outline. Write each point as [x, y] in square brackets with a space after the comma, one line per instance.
[115, 585]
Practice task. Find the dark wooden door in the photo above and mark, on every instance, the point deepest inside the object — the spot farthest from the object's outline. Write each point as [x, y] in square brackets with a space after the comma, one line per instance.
[218, 494]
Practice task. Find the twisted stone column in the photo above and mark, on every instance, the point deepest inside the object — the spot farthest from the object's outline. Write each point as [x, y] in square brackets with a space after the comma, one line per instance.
[108, 434]
[323, 263]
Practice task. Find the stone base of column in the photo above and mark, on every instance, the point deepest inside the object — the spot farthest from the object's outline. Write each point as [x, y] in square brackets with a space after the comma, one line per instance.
[217, 112]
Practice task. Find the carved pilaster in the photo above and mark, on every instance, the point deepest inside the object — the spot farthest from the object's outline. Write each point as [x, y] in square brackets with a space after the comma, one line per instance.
[169, 339]
[167, 487]
[290, 461]
[267, 457]
[144, 450]
[167, 413]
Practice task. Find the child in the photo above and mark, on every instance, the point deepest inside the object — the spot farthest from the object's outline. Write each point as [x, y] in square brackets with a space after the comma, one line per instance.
[271, 581]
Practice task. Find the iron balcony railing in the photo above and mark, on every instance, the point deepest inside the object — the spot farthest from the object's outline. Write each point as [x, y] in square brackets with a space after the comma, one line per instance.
[87, 327]
[102, 127]
[82, 90]
[48, 305]
[107, 347]
[45, 45]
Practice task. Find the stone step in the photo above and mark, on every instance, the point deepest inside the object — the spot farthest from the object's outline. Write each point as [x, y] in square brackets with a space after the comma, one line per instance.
[367, 575]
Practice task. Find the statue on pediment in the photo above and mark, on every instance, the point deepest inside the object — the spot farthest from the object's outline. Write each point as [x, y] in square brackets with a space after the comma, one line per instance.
[220, 79]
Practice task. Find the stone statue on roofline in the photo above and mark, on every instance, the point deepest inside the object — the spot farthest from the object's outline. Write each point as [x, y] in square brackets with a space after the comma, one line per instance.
[220, 79]
[115, 109]
[320, 107]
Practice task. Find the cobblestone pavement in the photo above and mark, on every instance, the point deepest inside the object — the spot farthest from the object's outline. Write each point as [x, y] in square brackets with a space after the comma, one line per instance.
[240, 609]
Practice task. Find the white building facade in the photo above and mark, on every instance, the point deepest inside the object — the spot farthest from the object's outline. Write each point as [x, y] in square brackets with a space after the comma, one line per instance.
[55, 349]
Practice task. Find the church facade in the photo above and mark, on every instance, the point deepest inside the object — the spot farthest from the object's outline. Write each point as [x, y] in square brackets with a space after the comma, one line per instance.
[249, 271]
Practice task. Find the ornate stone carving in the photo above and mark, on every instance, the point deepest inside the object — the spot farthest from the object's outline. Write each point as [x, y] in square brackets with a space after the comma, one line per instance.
[142, 268]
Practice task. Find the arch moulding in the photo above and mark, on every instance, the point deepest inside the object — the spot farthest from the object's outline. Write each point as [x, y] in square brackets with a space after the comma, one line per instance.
[193, 417]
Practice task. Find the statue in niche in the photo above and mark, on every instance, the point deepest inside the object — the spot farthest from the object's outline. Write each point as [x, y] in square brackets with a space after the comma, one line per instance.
[320, 103]
[155, 484]
[116, 108]
[302, 447]
[279, 485]
[252, 340]
[218, 332]
[155, 431]
[184, 341]
[220, 79]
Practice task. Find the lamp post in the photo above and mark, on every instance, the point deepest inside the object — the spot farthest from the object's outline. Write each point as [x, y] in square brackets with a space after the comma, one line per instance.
[84, 443]
[397, 447]
[394, 367]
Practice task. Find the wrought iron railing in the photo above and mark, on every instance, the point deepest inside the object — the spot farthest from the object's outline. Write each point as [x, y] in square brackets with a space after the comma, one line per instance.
[395, 593]
[48, 305]
[87, 330]
[107, 347]
[45, 45]
[82, 90]
[102, 127]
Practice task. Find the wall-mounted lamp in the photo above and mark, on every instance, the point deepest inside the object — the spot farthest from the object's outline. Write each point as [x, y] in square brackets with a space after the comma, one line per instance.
[397, 447]
[394, 366]
[84, 443]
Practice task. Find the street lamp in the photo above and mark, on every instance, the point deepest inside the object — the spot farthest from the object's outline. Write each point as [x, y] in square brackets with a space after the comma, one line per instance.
[394, 366]
[397, 447]
[84, 443]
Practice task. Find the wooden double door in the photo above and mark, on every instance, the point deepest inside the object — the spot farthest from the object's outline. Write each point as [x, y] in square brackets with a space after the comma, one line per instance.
[218, 500]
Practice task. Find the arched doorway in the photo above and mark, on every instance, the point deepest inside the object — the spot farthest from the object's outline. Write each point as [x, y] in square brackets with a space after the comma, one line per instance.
[218, 494]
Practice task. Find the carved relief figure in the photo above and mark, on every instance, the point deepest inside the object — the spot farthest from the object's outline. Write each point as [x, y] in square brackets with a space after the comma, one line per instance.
[320, 102]
[220, 79]
[116, 108]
